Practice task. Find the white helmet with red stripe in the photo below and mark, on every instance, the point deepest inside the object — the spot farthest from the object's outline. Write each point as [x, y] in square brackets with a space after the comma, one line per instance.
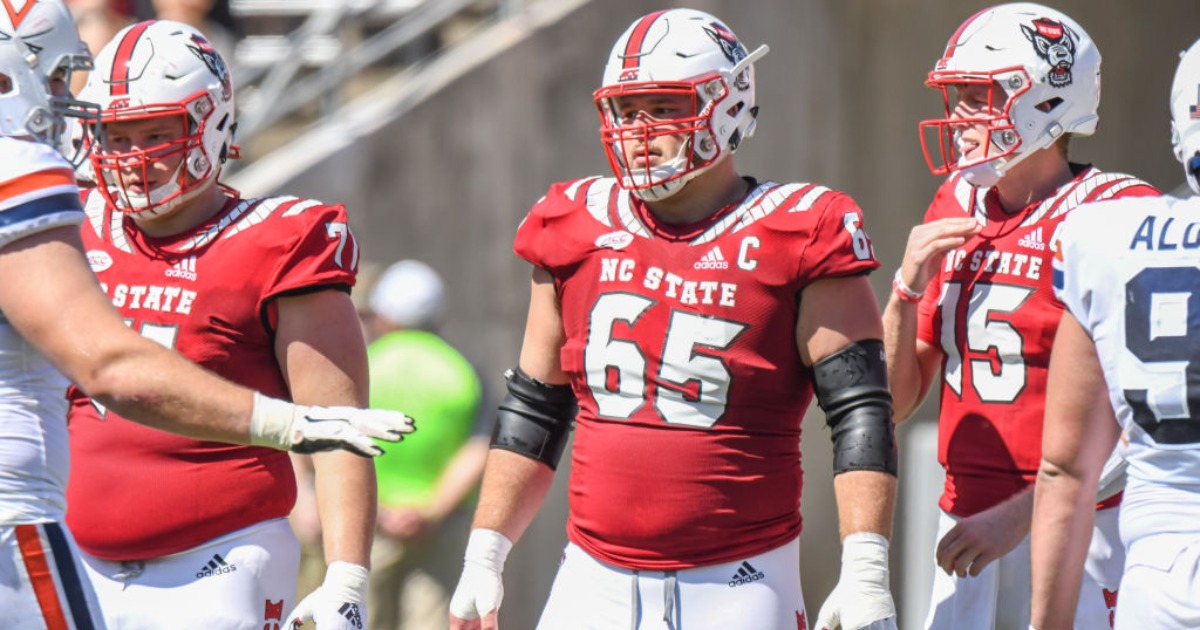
[1185, 115]
[150, 70]
[679, 51]
[53, 50]
[1048, 69]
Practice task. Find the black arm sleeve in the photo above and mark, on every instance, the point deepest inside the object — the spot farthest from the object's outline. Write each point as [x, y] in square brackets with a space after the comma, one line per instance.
[534, 419]
[851, 386]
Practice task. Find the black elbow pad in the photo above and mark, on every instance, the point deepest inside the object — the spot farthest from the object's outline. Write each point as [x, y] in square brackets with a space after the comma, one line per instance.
[851, 386]
[534, 419]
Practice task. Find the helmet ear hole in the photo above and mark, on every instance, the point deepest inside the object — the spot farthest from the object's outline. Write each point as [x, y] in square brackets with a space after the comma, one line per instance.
[1049, 105]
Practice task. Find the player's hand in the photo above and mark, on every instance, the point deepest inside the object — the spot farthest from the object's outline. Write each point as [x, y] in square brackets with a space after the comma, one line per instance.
[338, 604]
[280, 424]
[861, 600]
[926, 244]
[977, 540]
[476, 602]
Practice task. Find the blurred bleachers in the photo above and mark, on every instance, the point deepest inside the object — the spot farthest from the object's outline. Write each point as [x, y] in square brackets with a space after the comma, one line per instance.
[297, 61]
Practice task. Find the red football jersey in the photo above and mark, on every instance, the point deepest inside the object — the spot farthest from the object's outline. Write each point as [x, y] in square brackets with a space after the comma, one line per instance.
[991, 310]
[681, 348]
[136, 492]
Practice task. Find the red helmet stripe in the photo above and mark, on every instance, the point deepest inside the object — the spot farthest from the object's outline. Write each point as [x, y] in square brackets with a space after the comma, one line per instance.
[953, 43]
[118, 83]
[633, 48]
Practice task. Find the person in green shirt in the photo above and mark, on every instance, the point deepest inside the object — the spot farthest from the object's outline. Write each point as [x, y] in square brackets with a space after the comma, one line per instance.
[421, 527]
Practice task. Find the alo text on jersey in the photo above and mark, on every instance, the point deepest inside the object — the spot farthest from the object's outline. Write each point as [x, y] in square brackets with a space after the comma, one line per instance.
[1169, 236]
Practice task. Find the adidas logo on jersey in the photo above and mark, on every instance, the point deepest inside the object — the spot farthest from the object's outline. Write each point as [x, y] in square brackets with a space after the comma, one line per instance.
[714, 259]
[745, 575]
[216, 566]
[1033, 240]
[185, 269]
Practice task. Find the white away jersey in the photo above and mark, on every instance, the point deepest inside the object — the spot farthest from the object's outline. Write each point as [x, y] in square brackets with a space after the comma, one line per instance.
[37, 193]
[1129, 271]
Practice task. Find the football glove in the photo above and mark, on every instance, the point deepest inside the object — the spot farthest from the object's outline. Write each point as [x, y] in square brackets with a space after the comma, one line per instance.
[861, 600]
[340, 603]
[282, 425]
[481, 589]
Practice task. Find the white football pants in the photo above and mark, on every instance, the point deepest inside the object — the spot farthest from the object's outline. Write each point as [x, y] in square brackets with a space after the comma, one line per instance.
[245, 580]
[761, 592]
[998, 598]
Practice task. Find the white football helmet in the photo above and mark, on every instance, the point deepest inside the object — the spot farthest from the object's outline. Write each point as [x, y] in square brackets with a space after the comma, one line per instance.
[54, 51]
[1185, 115]
[1049, 70]
[24, 103]
[150, 70]
[680, 51]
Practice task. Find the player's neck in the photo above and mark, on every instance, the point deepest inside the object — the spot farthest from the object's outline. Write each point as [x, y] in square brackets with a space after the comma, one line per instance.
[1035, 178]
[703, 196]
[190, 213]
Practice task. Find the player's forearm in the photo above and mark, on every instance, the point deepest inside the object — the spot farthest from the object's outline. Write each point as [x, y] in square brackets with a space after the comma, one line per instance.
[50, 295]
[866, 501]
[514, 487]
[347, 502]
[905, 378]
[460, 477]
[1063, 515]
[146, 383]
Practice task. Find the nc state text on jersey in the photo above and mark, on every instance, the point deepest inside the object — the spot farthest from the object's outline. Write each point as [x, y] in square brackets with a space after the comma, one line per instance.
[996, 261]
[151, 297]
[669, 284]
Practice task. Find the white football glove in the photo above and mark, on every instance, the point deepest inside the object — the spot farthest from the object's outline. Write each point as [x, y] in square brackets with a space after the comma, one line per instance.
[861, 600]
[481, 589]
[287, 427]
[340, 603]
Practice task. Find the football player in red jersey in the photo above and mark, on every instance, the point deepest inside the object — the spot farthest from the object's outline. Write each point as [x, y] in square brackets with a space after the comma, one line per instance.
[56, 322]
[973, 301]
[180, 533]
[682, 316]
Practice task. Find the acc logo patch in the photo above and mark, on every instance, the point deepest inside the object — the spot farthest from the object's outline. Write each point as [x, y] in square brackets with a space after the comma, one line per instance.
[99, 260]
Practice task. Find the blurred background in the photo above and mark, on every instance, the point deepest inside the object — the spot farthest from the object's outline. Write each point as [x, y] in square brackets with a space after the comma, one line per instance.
[438, 123]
